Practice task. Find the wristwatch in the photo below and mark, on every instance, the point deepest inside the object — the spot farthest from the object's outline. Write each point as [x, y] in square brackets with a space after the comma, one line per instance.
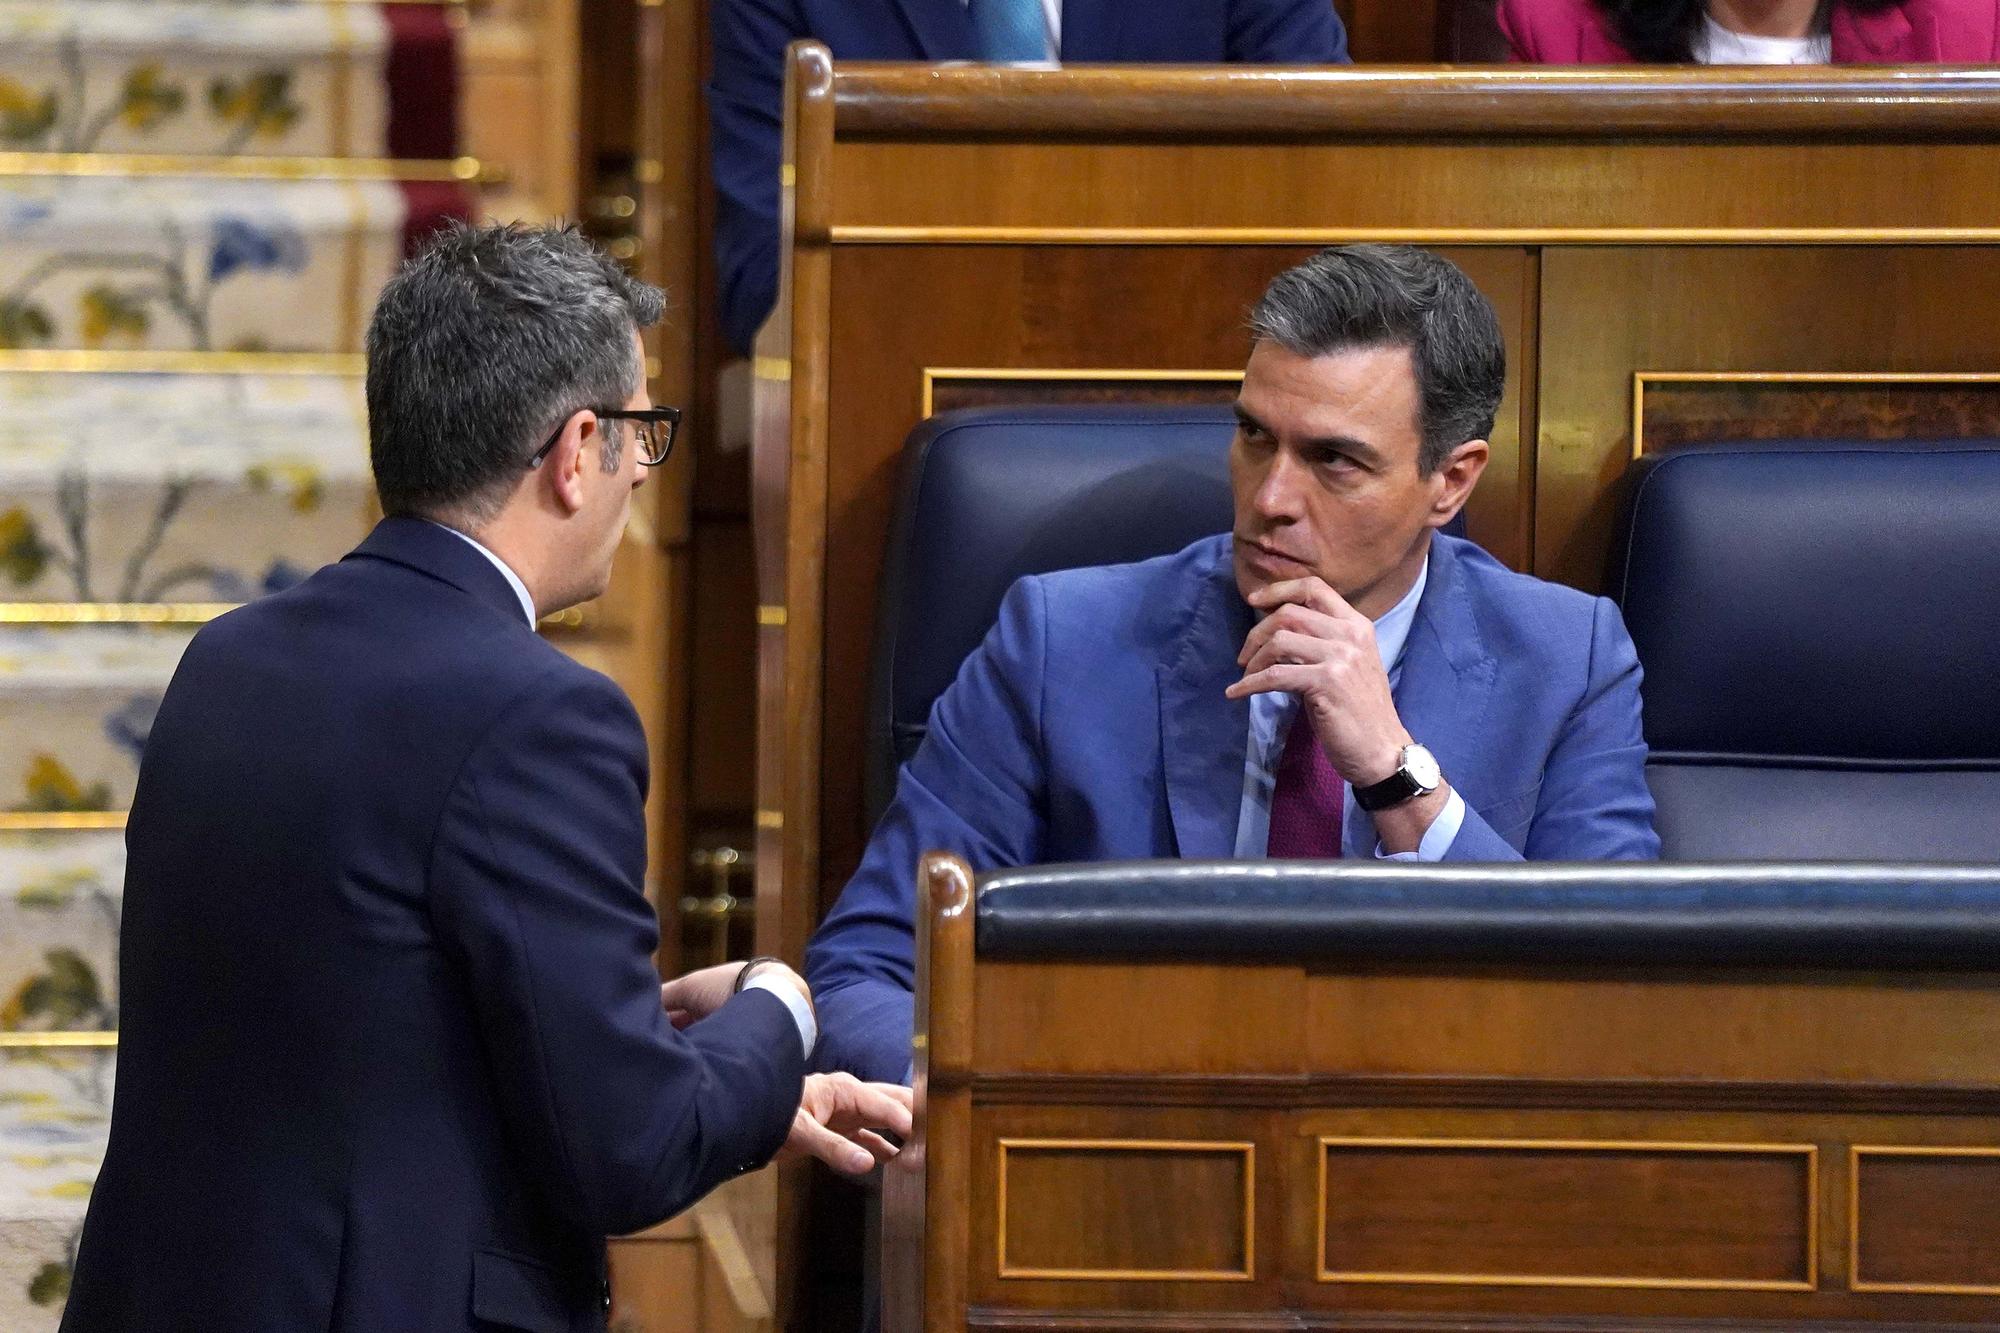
[743, 973]
[1418, 775]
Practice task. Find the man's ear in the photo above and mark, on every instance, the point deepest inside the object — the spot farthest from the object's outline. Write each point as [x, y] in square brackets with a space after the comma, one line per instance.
[576, 449]
[1456, 479]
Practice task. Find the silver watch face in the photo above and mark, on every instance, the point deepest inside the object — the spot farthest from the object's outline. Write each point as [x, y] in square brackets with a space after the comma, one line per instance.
[1421, 768]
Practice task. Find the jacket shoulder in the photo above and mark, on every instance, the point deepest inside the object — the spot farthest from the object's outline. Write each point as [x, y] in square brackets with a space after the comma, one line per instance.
[1554, 32]
[1154, 592]
[1520, 613]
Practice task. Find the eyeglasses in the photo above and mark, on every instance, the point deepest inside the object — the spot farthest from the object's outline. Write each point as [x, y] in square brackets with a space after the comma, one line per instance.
[655, 427]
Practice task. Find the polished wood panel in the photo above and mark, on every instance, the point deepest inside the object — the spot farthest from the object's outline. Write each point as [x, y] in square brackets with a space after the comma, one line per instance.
[1126, 1209]
[1761, 309]
[1924, 1220]
[1671, 410]
[947, 389]
[1445, 1194]
[1020, 228]
[1527, 1212]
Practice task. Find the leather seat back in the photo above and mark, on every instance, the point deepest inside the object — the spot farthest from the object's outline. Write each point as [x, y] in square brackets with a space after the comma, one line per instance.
[1819, 623]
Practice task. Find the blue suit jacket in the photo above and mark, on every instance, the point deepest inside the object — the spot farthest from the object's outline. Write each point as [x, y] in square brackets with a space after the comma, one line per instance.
[392, 1053]
[1091, 725]
[746, 88]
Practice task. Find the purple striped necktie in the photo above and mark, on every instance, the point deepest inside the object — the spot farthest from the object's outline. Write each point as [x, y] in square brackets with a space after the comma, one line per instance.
[1306, 799]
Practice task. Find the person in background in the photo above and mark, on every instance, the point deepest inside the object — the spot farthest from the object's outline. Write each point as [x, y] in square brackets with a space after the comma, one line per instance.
[394, 1054]
[1752, 32]
[746, 89]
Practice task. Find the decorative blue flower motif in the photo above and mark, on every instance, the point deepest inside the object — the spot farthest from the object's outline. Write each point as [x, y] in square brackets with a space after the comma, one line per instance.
[21, 214]
[283, 574]
[129, 727]
[242, 244]
[226, 585]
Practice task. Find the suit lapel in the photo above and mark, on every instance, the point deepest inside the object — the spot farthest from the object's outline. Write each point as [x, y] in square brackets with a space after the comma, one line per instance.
[1202, 734]
[942, 28]
[1091, 32]
[1447, 674]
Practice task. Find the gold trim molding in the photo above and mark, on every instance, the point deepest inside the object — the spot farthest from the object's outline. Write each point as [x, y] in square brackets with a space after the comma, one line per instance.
[97, 361]
[44, 1041]
[1247, 1273]
[62, 821]
[936, 375]
[112, 613]
[469, 170]
[1643, 378]
[1809, 1152]
[1855, 1152]
[872, 234]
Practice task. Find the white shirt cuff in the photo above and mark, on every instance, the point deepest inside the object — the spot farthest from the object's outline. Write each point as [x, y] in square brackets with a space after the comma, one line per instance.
[1438, 838]
[802, 1013]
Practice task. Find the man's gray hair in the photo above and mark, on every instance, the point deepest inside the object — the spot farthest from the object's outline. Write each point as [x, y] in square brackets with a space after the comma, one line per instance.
[1356, 296]
[480, 347]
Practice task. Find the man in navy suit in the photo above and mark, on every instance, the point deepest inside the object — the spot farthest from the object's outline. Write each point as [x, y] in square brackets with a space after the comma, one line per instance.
[394, 1054]
[1335, 677]
[746, 87]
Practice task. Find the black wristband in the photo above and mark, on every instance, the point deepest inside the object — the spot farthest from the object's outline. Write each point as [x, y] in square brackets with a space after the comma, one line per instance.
[751, 966]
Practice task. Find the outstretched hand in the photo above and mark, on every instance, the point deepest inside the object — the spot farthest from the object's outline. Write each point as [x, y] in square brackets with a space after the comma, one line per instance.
[842, 1122]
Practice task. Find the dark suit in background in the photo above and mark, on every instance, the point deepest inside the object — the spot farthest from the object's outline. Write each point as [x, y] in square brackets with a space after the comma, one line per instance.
[746, 88]
[392, 1052]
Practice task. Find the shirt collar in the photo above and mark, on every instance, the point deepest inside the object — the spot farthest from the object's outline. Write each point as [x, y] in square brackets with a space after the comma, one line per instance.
[1392, 628]
[521, 589]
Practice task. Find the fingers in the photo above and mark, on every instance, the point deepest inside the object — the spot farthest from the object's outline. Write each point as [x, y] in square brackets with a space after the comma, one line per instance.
[882, 1106]
[810, 1138]
[1285, 677]
[1312, 592]
[1290, 616]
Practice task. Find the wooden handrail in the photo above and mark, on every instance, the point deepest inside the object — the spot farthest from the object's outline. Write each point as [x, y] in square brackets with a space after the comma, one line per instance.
[1273, 103]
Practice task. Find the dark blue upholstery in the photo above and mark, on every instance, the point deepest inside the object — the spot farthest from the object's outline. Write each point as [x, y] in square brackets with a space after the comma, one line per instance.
[1819, 623]
[1874, 917]
[991, 494]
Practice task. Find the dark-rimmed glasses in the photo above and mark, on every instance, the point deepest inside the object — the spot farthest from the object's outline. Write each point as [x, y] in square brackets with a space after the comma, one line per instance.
[655, 427]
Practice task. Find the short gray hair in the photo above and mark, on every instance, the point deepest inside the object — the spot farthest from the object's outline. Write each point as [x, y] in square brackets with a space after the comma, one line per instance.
[1355, 296]
[480, 346]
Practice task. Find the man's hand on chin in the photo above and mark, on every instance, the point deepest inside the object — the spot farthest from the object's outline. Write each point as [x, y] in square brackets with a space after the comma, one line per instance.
[842, 1121]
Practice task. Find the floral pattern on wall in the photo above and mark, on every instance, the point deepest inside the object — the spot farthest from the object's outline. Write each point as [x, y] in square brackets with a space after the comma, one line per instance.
[76, 705]
[203, 78]
[187, 264]
[238, 485]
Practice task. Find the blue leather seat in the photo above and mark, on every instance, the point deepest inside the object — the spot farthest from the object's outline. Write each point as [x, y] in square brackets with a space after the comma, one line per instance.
[991, 494]
[1819, 623]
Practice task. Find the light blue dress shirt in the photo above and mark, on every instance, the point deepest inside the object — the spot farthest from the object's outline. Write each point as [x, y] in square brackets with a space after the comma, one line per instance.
[788, 994]
[1271, 717]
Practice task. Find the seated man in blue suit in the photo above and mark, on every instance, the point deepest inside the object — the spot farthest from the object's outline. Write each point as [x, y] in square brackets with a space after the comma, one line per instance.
[746, 87]
[1335, 677]
[394, 1054]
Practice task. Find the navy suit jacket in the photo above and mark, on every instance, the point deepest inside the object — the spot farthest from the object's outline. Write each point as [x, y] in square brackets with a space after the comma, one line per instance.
[746, 88]
[1091, 726]
[392, 1054]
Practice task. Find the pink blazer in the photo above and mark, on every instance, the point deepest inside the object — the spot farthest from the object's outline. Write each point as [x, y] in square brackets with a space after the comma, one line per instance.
[1916, 32]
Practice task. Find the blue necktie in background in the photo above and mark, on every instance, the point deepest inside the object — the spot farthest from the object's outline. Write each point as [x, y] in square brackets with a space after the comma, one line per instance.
[1010, 29]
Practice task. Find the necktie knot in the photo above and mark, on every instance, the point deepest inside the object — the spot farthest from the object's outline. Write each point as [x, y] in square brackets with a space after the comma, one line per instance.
[1009, 30]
